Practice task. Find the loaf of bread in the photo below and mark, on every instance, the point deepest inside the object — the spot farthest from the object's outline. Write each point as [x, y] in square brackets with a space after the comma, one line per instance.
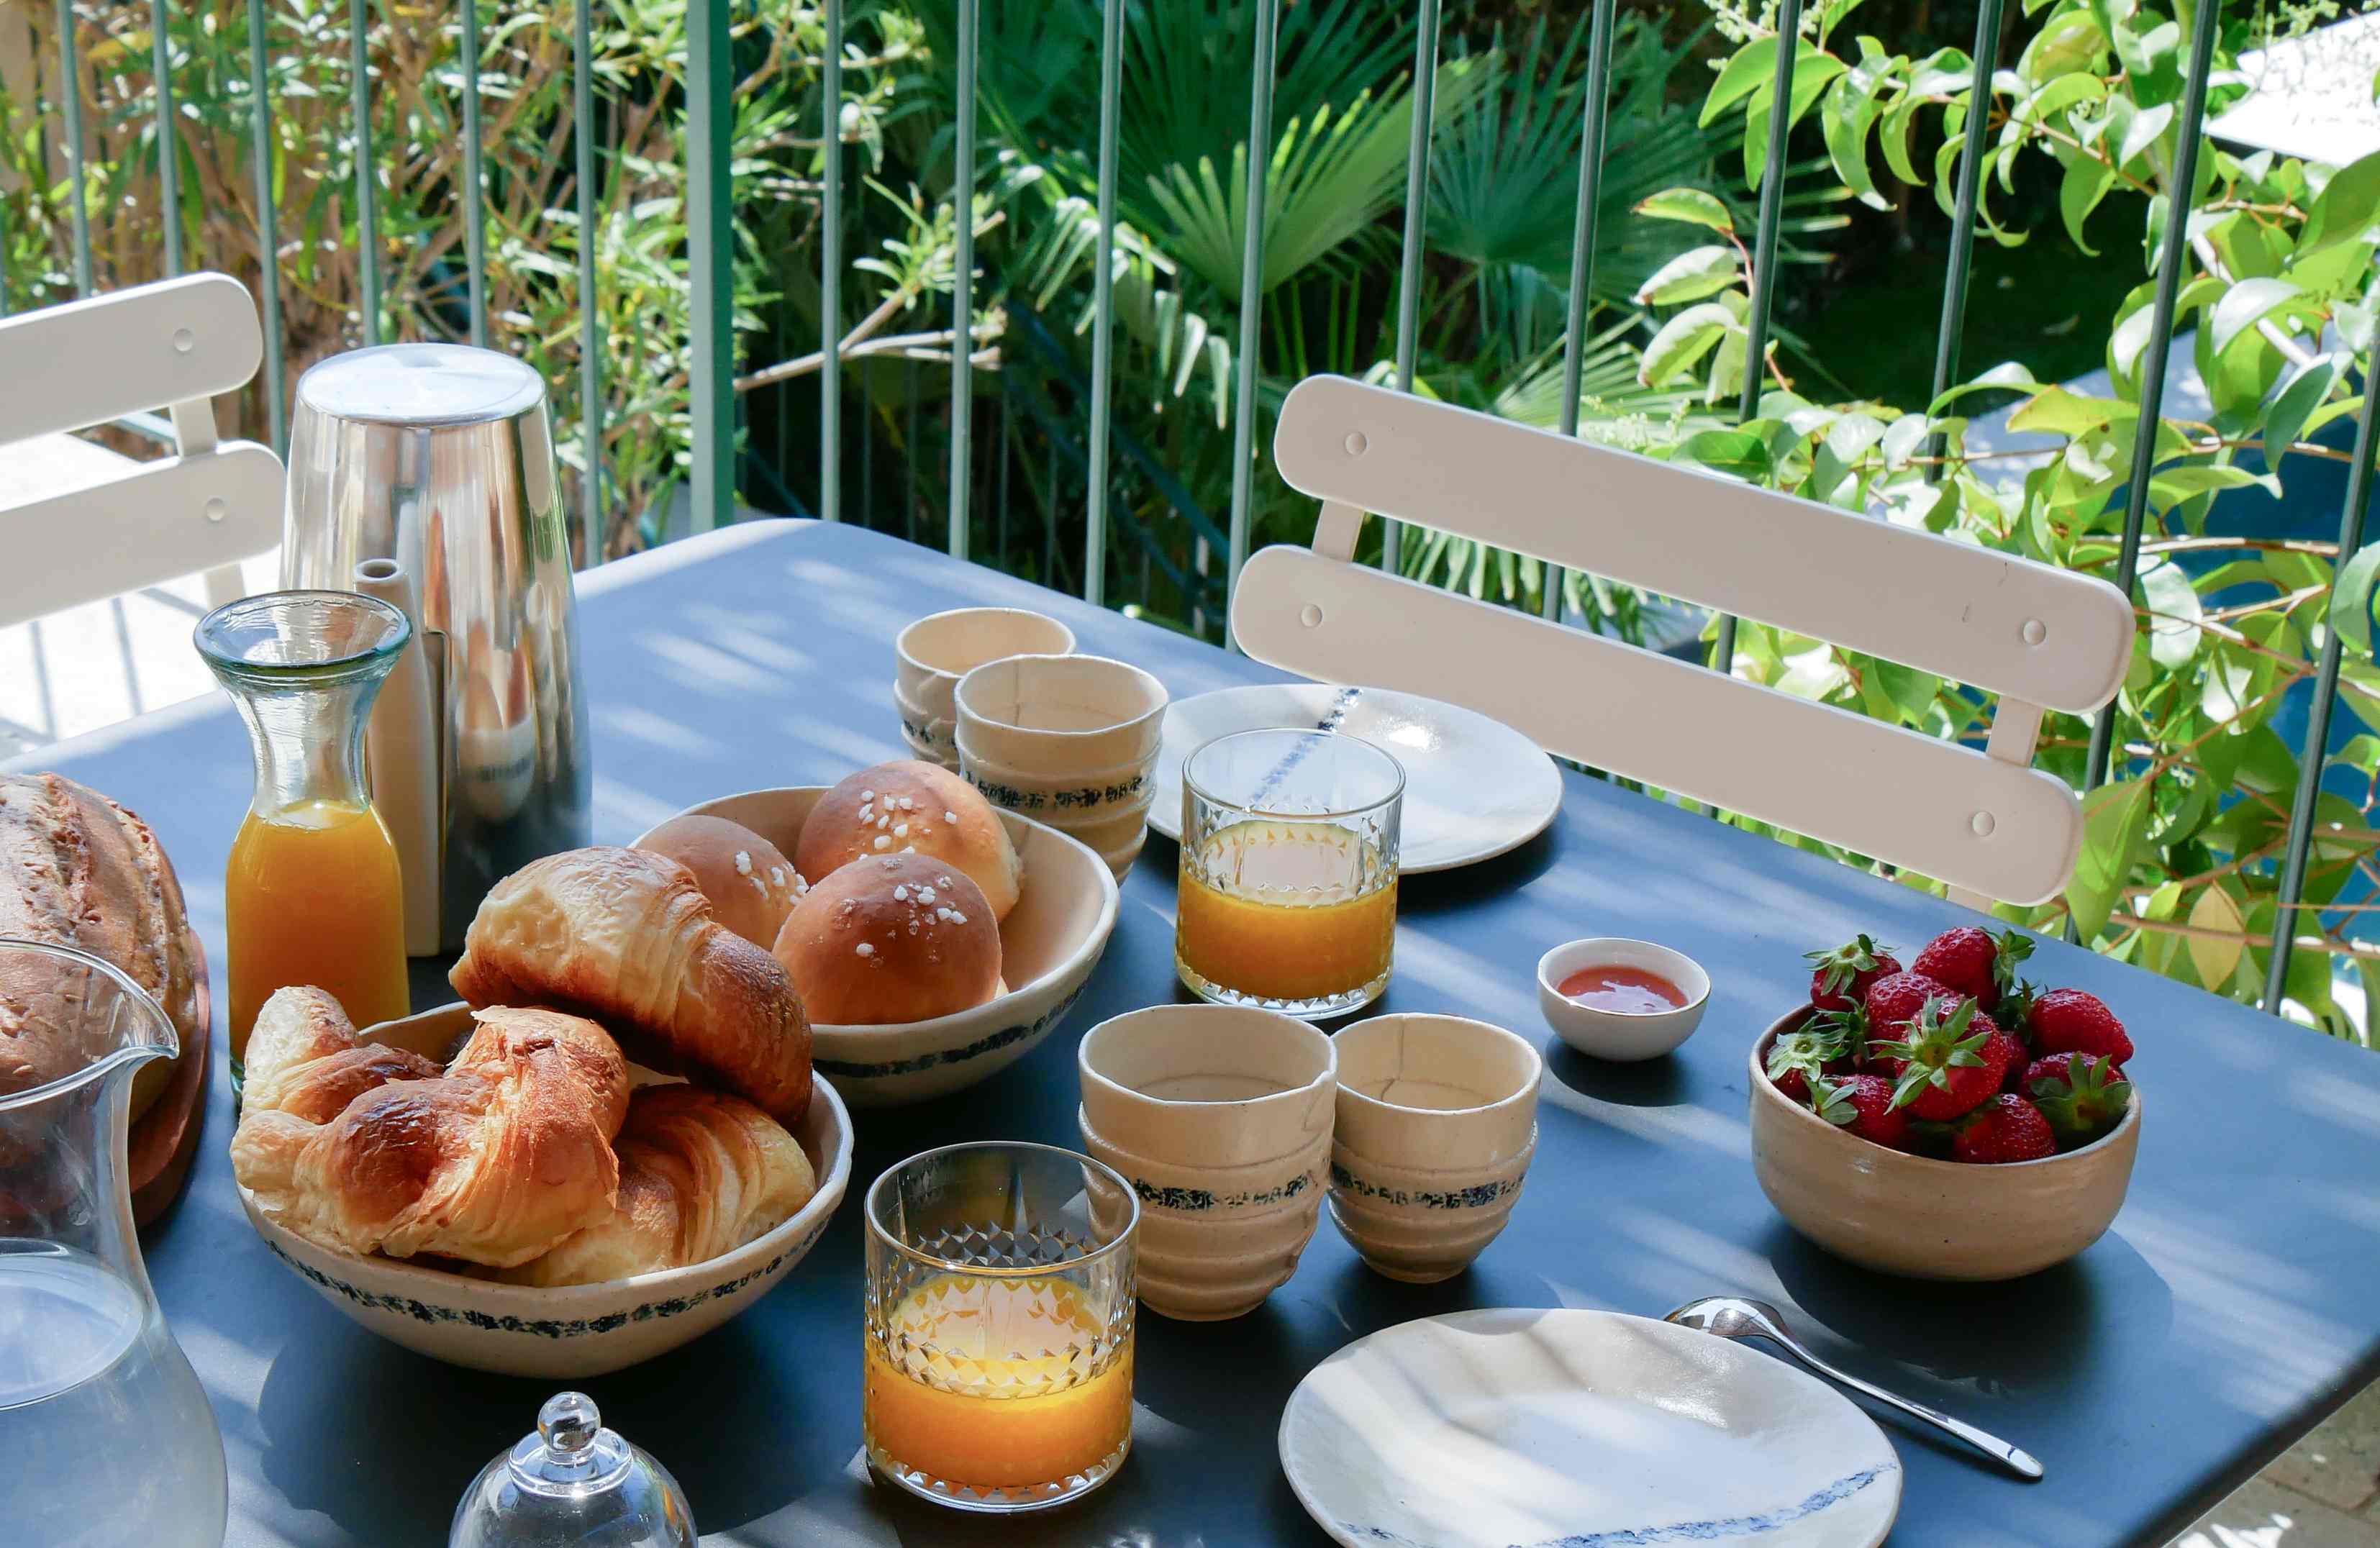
[76, 869]
[700, 1173]
[898, 939]
[495, 1161]
[911, 807]
[749, 882]
[626, 936]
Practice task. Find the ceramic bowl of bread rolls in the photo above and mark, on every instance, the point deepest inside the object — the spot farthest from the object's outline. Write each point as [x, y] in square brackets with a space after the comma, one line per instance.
[614, 1144]
[934, 938]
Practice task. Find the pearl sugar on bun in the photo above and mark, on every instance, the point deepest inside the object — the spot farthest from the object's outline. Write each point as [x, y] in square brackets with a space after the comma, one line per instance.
[749, 883]
[892, 938]
[912, 807]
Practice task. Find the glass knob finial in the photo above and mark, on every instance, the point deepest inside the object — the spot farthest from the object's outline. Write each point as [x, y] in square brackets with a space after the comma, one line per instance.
[569, 1422]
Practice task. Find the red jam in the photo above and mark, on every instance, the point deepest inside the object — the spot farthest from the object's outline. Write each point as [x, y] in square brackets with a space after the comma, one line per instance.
[1627, 991]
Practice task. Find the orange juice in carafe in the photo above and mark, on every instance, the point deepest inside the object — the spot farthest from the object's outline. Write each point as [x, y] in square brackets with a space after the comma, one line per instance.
[313, 895]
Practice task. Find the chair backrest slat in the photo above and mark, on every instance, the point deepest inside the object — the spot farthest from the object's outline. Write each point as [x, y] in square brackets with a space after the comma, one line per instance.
[2044, 636]
[84, 363]
[163, 519]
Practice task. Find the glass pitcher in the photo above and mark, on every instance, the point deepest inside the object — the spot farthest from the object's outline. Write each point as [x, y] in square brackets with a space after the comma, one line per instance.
[313, 892]
[106, 1437]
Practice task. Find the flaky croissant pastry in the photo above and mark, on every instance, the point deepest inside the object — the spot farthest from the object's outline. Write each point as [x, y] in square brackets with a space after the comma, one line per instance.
[626, 936]
[503, 1155]
[700, 1173]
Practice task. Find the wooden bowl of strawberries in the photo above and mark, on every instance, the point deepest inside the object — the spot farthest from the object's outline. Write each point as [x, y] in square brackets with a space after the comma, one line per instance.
[1946, 1121]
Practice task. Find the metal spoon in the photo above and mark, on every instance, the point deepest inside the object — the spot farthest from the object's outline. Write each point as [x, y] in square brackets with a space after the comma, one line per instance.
[1735, 1318]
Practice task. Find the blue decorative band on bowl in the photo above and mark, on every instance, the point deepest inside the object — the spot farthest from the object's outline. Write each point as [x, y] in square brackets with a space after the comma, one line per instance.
[846, 1071]
[1196, 1201]
[1478, 1195]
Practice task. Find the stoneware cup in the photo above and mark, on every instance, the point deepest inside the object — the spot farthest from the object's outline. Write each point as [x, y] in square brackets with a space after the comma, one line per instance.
[1437, 1120]
[1071, 741]
[1929, 1219]
[1221, 1117]
[932, 654]
[1620, 1036]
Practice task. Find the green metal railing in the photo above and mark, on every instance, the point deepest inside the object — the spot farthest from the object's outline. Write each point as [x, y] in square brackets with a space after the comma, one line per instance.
[710, 77]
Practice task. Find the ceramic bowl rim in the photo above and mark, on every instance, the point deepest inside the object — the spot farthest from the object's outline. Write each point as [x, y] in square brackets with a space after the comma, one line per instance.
[549, 1302]
[1164, 698]
[1765, 1090]
[907, 657]
[1629, 1017]
[1289, 1096]
[1086, 950]
[1528, 1092]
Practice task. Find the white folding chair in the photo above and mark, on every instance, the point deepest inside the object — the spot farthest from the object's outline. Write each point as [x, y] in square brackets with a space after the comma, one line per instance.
[1985, 822]
[170, 345]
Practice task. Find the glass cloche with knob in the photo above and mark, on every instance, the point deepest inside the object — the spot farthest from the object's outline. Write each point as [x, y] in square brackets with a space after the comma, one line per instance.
[573, 1483]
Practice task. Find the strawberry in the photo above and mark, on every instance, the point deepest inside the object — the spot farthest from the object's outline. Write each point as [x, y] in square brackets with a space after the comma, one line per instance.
[1973, 961]
[2012, 1054]
[2083, 1095]
[2077, 1022]
[1947, 1059]
[1794, 1057]
[1895, 997]
[2004, 1128]
[1863, 1104]
[1844, 974]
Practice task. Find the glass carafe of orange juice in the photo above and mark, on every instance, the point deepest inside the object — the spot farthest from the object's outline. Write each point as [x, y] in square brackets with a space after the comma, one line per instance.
[313, 892]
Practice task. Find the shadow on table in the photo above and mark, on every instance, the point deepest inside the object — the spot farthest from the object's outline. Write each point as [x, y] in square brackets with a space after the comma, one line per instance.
[1665, 1081]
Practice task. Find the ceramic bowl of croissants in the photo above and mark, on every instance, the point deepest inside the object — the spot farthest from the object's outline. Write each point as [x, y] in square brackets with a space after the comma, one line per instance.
[934, 938]
[614, 1143]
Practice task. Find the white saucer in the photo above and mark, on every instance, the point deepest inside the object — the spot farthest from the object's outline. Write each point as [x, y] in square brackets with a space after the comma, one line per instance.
[1475, 786]
[1521, 1428]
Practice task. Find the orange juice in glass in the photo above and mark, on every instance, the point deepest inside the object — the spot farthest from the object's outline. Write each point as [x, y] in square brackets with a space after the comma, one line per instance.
[997, 1371]
[313, 893]
[1288, 896]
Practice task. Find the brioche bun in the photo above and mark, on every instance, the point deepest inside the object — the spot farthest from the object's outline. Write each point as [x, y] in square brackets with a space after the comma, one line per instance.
[898, 808]
[891, 938]
[749, 883]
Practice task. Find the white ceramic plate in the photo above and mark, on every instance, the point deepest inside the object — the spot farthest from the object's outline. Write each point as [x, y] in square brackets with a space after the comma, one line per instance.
[1520, 1428]
[1475, 786]
[1050, 943]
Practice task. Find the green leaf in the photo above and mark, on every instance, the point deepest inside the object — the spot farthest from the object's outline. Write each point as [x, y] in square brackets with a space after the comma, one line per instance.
[2143, 132]
[1850, 115]
[2173, 602]
[1682, 341]
[1902, 437]
[1692, 205]
[2068, 43]
[2114, 816]
[2249, 303]
[1898, 124]
[2175, 485]
[2347, 205]
[2350, 599]
[2216, 960]
[2060, 412]
[1736, 452]
[1689, 276]
[1753, 64]
[2296, 402]
[2087, 182]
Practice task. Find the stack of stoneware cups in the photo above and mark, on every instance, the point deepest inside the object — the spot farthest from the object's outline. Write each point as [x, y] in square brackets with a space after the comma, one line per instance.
[1233, 1123]
[932, 655]
[1071, 741]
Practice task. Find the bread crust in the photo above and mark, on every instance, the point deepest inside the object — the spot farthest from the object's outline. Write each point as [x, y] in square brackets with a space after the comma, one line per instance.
[895, 939]
[946, 819]
[627, 937]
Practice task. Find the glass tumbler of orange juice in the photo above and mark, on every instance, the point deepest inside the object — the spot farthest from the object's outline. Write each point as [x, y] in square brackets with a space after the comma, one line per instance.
[1289, 871]
[312, 894]
[997, 1372]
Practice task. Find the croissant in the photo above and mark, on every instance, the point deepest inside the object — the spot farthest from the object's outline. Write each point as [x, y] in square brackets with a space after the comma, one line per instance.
[626, 936]
[495, 1161]
[700, 1173]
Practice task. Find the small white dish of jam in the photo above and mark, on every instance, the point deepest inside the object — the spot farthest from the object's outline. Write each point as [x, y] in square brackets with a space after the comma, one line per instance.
[1622, 1000]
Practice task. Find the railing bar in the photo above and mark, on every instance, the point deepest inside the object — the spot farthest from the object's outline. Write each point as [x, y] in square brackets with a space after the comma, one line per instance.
[2318, 737]
[1962, 222]
[268, 221]
[1243, 408]
[474, 192]
[711, 81]
[1000, 491]
[910, 460]
[963, 289]
[2170, 263]
[70, 100]
[831, 276]
[169, 167]
[1582, 237]
[1764, 254]
[367, 220]
[590, 329]
[1095, 522]
[1424, 95]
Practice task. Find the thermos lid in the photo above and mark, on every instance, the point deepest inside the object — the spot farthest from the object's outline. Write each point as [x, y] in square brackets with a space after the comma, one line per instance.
[420, 384]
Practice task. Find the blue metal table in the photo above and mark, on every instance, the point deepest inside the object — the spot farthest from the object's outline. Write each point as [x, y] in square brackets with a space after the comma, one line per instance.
[2230, 1309]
